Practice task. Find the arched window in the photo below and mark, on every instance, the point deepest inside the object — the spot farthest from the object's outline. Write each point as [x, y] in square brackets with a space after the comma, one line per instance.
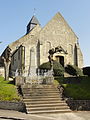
[75, 56]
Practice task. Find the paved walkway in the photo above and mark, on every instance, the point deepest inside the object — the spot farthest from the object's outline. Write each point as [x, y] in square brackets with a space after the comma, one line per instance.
[14, 115]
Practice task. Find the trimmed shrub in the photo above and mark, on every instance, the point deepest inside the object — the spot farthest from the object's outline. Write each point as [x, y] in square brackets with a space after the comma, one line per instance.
[57, 68]
[73, 70]
[86, 71]
[45, 66]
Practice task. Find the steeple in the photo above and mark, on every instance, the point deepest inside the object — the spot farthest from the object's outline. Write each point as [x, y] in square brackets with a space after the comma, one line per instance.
[33, 22]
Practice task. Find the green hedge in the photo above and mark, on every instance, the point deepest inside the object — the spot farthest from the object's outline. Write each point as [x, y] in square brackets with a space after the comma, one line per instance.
[86, 71]
[73, 70]
[78, 91]
[57, 68]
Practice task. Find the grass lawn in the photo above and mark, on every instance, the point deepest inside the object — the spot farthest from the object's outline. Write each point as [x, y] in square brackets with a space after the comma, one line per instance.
[8, 91]
[80, 91]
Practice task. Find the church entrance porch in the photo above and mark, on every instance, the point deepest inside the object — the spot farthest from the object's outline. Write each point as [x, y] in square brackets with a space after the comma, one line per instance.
[60, 59]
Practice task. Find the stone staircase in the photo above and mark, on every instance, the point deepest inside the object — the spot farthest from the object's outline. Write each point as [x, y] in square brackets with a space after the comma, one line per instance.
[43, 99]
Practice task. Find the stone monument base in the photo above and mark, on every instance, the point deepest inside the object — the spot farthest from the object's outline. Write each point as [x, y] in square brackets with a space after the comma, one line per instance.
[39, 80]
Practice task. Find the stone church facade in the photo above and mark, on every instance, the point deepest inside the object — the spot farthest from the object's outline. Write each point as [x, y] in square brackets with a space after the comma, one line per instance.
[32, 49]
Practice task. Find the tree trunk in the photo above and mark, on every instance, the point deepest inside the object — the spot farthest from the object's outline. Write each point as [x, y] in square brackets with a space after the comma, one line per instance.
[6, 67]
[7, 60]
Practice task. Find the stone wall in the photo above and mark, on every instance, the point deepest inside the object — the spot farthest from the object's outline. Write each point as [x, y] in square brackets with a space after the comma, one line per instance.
[28, 41]
[80, 57]
[17, 106]
[79, 105]
[2, 71]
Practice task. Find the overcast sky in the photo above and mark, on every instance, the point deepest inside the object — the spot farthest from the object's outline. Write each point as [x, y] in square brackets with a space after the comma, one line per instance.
[15, 15]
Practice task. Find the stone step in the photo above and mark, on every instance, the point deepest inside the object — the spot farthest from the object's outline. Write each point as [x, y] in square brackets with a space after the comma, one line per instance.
[47, 108]
[44, 92]
[43, 102]
[40, 89]
[38, 86]
[45, 105]
[38, 92]
[49, 111]
[44, 99]
[42, 95]
[41, 98]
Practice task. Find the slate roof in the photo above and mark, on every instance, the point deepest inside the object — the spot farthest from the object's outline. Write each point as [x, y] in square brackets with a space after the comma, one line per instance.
[33, 22]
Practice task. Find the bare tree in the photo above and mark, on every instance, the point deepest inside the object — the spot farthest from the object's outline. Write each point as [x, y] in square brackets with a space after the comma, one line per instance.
[7, 60]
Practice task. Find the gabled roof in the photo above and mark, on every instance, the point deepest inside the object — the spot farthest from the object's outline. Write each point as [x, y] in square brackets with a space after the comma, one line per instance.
[58, 17]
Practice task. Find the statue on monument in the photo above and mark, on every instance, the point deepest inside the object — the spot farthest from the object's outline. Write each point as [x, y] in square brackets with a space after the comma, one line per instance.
[50, 57]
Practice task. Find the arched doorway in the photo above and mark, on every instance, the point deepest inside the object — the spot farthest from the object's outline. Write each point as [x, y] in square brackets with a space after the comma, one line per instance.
[60, 59]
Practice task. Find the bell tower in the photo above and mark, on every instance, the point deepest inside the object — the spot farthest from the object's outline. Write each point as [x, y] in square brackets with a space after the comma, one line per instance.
[33, 22]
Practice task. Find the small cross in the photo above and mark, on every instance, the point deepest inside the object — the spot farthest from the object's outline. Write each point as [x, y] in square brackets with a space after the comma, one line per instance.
[34, 11]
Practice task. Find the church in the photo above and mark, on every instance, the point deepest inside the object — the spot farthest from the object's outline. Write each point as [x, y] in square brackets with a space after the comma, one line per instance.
[31, 50]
